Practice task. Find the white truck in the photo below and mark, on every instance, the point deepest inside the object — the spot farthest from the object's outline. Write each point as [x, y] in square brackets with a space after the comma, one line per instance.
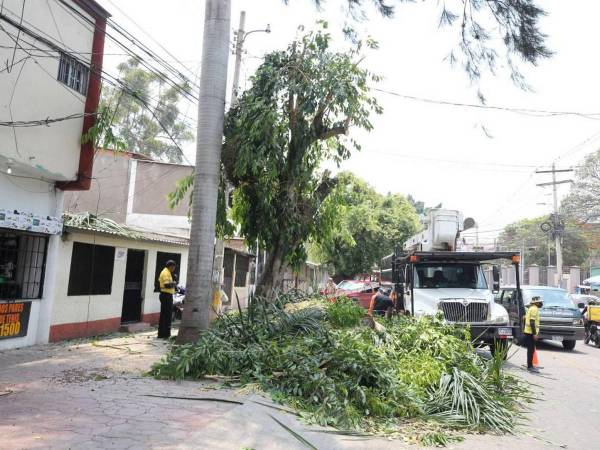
[431, 277]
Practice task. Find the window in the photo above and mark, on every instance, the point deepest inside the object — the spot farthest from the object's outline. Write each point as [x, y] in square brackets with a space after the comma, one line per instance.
[73, 73]
[91, 269]
[22, 264]
[435, 276]
[161, 261]
[242, 265]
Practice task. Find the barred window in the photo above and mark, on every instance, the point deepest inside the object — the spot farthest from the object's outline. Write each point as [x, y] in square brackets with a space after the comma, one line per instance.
[22, 264]
[73, 73]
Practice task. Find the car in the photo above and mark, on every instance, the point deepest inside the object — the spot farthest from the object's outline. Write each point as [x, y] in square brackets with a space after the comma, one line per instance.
[360, 290]
[560, 320]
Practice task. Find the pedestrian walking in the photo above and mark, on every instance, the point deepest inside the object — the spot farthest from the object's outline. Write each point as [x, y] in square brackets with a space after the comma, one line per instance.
[532, 330]
[167, 285]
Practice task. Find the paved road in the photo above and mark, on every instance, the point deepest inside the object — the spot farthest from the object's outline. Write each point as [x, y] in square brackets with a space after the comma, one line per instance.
[91, 394]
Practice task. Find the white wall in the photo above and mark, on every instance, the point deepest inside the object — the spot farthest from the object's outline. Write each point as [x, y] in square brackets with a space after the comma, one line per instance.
[84, 308]
[37, 197]
[31, 91]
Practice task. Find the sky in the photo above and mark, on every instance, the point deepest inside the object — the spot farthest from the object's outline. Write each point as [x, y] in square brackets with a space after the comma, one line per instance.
[481, 162]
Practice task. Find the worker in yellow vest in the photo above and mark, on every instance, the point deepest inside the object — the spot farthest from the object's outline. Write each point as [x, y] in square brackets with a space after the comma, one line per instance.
[167, 289]
[532, 330]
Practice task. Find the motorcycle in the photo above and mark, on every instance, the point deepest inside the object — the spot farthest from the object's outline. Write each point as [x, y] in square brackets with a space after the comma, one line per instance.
[178, 302]
[592, 334]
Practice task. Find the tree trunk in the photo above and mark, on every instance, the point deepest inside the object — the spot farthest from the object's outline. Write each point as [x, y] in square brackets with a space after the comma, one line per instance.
[271, 279]
[211, 112]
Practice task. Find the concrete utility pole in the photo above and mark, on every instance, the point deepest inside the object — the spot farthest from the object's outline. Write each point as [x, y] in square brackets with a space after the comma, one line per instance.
[219, 243]
[556, 225]
[239, 48]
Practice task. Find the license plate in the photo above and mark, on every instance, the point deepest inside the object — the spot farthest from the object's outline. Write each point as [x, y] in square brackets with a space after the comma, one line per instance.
[504, 331]
[557, 338]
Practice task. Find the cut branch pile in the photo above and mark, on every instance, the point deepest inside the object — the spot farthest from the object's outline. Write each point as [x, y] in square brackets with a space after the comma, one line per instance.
[319, 358]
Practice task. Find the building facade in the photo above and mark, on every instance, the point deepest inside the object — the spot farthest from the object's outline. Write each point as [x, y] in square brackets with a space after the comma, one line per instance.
[49, 91]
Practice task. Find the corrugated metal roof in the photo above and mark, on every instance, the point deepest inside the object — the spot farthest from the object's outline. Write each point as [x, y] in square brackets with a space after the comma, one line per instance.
[134, 236]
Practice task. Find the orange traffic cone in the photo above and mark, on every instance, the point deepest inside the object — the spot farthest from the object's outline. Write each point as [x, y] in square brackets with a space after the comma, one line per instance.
[536, 362]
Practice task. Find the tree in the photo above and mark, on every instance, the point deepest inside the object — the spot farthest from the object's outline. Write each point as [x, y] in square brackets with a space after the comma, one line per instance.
[371, 226]
[516, 20]
[527, 233]
[211, 112]
[146, 114]
[301, 104]
[583, 202]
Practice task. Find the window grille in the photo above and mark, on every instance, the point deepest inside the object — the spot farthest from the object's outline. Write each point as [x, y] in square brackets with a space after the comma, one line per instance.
[73, 73]
[22, 265]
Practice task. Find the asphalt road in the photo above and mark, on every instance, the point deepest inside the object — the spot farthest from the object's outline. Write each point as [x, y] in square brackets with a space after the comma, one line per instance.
[91, 394]
[567, 414]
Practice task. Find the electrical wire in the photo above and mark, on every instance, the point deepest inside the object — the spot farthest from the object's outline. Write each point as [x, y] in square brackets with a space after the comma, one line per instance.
[111, 80]
[43, 122]
[524, 111]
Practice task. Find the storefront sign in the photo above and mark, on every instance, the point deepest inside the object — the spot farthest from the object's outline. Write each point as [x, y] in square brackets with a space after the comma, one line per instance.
[14, 319]
[21, 220]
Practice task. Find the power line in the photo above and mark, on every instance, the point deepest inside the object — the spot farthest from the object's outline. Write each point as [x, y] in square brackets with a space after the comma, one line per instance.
[108, 78]
[524, 111]
[43, 122]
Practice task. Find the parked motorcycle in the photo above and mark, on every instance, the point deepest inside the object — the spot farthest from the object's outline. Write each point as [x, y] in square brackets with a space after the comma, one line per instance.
[178, 301]
[592, 323]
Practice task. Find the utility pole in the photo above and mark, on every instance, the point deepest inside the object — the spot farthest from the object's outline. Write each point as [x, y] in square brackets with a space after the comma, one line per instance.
[556, 224]
[219, 257]
[239, 50]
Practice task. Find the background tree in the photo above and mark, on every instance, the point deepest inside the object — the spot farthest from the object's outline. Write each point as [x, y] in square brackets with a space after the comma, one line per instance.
[146, 114]
[583, 202]
[538, 244]
[371, 225]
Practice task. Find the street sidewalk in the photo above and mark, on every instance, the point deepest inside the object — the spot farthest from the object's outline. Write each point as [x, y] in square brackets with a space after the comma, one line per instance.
[93, 394]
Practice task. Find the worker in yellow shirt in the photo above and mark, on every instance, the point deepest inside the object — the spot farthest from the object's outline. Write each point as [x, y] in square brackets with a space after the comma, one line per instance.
[532, 330]
[167, 289]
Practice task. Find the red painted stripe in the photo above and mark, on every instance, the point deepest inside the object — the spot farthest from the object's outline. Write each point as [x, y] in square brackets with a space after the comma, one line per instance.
[151, 318]
[83, 329]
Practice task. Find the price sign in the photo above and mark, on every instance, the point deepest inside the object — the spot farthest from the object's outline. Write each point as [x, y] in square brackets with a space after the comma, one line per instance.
[14, 319]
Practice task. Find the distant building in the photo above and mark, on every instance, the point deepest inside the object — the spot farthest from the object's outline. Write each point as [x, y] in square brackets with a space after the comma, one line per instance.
[51, 54]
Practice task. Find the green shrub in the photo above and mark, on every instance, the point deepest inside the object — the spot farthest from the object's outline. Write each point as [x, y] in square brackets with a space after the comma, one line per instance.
[344, 312]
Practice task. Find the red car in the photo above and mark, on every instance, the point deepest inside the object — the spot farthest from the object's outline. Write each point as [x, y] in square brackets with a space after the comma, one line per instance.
[361, 290]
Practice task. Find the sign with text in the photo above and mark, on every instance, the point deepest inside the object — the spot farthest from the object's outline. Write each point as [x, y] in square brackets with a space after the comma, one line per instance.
[14, 319]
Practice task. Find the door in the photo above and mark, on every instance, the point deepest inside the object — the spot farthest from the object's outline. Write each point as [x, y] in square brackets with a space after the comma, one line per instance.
[134, 278]
[510, 302]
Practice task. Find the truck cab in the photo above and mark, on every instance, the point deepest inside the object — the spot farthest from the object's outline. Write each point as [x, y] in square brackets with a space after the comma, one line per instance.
[430, 278]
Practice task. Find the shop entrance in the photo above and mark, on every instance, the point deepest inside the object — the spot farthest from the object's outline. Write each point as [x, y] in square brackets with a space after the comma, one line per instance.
[133, 293]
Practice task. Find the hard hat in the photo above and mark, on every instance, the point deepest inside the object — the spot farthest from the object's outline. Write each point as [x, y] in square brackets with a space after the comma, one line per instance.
[537, 299]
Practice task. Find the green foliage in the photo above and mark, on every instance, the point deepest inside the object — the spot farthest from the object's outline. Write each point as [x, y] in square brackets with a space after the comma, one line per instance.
[102, 133]
[538, 243]
[146, 113]
[370, 226]
[344, 312]
[355, 378]
[295, 116]
[583, 202]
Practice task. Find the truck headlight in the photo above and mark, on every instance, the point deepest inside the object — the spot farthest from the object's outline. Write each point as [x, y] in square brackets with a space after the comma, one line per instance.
[577, 321]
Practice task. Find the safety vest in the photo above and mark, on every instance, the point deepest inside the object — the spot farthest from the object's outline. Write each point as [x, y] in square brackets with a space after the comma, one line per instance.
[533, 313]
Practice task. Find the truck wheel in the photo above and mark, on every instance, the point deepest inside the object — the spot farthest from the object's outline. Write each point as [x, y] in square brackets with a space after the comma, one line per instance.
[499, 346]
[568, 345]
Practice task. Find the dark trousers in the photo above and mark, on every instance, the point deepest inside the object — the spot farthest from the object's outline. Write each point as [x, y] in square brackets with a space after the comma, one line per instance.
[166, 313]
[530, 343]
